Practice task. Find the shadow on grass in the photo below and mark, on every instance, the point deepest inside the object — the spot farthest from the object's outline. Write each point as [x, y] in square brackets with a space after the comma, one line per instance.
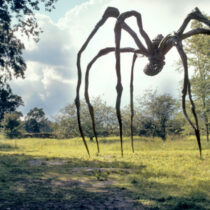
[29, 182]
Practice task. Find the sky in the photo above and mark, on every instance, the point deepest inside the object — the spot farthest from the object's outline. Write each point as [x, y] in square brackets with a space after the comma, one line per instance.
[51, 76]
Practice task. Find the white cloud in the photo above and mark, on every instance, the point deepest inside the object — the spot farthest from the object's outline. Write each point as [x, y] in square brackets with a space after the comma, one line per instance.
[45, 88]
[54, 47]
[50, 75]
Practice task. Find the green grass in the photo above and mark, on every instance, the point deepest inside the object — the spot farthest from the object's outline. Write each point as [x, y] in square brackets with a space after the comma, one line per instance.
[58, 174]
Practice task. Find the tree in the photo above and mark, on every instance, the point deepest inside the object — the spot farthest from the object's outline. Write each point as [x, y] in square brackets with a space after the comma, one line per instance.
[126, 119]
[9, 102]
[157, 111]
[199, 61]
[35, 121]
[66, 123]
[12, 125]
[17, 15]
[105, 119]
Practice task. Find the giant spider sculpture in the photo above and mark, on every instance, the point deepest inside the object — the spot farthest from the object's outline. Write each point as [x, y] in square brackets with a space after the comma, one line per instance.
[155, 50]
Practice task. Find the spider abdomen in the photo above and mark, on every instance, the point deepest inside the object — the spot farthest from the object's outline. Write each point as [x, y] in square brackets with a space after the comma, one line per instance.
[156, 60]
[154, 66]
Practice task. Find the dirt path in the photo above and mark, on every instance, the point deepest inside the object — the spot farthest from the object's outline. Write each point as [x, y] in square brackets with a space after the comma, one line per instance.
[108, 197]
[88, 188]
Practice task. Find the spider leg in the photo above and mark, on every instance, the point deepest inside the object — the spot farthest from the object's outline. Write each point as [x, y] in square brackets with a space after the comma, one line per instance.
[140, 26]
[137, 15]
[120, 24]
[131, 100]
[102, 52]
[119, 87]
[110, 12]
[197, 15]
[195, 32]
[187, 88]
[168, 42]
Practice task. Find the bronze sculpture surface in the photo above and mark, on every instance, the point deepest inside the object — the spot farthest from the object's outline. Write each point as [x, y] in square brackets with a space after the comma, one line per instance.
[155, 50]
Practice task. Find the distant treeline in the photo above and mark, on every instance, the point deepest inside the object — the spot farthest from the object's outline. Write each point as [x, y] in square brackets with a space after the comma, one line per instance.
[155, 115]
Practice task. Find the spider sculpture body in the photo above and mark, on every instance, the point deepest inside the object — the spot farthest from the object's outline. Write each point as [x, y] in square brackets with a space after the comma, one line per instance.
[155, 50]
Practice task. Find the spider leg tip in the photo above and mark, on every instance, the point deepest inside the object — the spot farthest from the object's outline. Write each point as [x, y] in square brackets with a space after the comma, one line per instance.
[197, 9]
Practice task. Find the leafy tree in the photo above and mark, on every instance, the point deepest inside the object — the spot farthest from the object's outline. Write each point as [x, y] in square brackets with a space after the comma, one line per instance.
[66, 123]
[12, 125]
[35, 121]
[17, 15]
[176, 125]
[105, 119]
[199, 61]
[126, 118]
[9, 102]
[158, 111]
[148, 127]
[153, 116]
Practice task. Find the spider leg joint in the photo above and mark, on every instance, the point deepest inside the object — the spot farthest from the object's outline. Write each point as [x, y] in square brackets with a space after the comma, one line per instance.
[111, 12]
[119, 87]
[197, 15]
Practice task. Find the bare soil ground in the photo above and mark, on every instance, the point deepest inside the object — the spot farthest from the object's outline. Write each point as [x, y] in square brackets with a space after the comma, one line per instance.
[100, 192]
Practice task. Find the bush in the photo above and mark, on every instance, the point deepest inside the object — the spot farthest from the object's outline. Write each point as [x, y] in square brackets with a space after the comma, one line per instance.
[39, 135]
[12, 125]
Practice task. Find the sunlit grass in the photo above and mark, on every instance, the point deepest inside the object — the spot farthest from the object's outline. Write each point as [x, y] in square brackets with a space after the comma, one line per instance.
[165, 175]
[109, 145]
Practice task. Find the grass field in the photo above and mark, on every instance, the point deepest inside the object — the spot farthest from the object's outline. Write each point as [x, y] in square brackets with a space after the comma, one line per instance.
[58, 174]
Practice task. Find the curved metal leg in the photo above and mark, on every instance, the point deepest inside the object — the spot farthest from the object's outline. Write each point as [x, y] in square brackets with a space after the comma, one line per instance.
[119, 86]
[186, 88]
[131, 100]
[102, 52]
[110, 12]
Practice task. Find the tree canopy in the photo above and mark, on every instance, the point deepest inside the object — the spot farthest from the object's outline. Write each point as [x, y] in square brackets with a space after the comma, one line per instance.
[155, 115]
[36, 121]
[9, 102]
[157, 111]
[199, 61]
[17, 16]
[105, 119]
[12, 125]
